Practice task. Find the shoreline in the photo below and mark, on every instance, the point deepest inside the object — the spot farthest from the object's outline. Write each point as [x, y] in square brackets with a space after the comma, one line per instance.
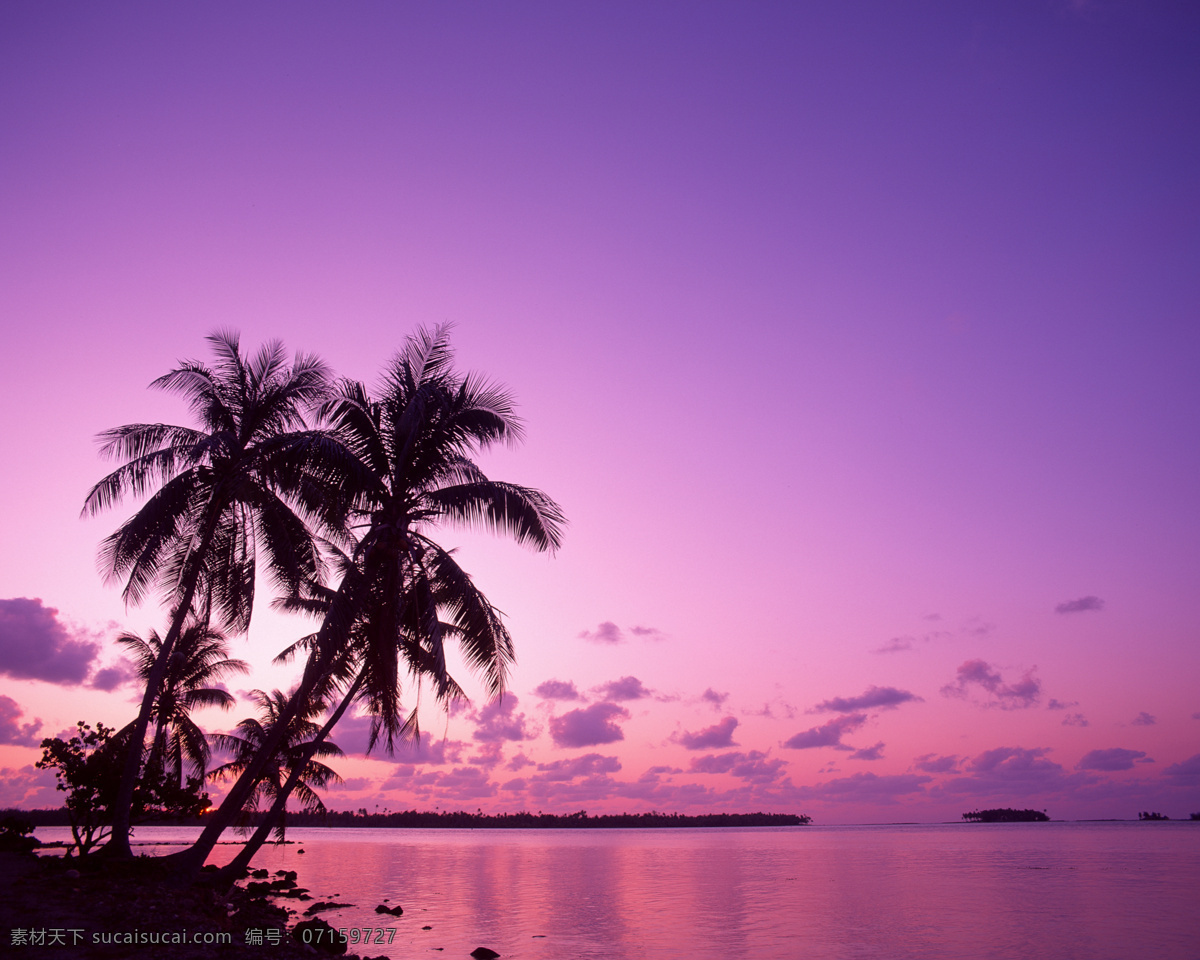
[96, 909]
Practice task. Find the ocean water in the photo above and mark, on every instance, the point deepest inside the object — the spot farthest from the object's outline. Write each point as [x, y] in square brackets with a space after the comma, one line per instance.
[1092, 891]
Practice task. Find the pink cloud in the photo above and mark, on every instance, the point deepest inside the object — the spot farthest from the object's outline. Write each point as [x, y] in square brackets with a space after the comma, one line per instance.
[828, 734]
[716, 700]
[498, 721]
[557, 690]
[895, 645]
[754, 766]
[649, 633]
[29, 788]
[710, 738]
[1014, 771]
[1082, 605]
[866, 788]
[607, 632]
[932, 763]
[35, 645]
[627, 688]
[978, 673]
[1184, 773]
[869, 753]
[12, 730]
[1115, 758]
[883, 698]
[589, 726]
[573, 768]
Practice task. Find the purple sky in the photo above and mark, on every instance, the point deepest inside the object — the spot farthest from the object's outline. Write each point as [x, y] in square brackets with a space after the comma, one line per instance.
[858, 342]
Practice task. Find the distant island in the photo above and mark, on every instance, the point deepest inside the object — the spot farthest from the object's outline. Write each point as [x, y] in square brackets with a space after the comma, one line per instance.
[1006, 815]
[461, 819]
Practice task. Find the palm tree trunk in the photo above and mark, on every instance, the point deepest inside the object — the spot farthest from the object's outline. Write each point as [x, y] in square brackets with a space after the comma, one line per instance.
[122, 811]
[188, 862]
[234, 868]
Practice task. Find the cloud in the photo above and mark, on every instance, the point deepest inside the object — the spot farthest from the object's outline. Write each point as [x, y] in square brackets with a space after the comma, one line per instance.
[445, 788]
[869, 753]
[589, 726]
[828, 734]
[607, 632]
[884, 698]
[1186, 773]
[11, 729]
[588, 765]
[1116, 758]
[121, 672]
[774, 710]
[717, 700]
[866, 788]
[489, 755]
[627, 688]
[753, 767]
[353, 733]
[1081, 605]
[895, 645]
[1060, 705]
[710, 738]
[29, 788]
[425, 750]
[1012, 771]
[353, 785]
[1015, 696]
[34, 644]
[1074, 720]
[519, 762]
[1012, 762]
[931, 763]
[498, 721]
[650, 633]
[1144, 719]
[558, 690]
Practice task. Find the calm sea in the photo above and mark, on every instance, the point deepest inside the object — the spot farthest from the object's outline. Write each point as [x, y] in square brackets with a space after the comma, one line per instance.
[1052, 890]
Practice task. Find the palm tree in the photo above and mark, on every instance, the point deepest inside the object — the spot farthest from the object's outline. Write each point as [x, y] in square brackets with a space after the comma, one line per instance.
[223, 489]
[411, 471]
[198, 660]
[291, 760]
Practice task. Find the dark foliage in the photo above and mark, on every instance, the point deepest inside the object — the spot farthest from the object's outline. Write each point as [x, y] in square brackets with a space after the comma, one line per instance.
[1006, 815]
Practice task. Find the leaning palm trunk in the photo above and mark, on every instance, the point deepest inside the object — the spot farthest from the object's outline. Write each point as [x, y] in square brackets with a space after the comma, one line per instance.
[234, 868]
[188, 862]
[118, 843]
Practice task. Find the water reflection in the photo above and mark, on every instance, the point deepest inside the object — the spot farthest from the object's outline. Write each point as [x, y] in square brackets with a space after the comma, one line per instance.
[951, 891]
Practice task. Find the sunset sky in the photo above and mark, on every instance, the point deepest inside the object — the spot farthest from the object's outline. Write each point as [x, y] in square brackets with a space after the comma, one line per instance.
[859, 343]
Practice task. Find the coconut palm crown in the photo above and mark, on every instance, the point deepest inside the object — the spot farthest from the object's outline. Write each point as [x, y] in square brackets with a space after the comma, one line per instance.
[414, 472]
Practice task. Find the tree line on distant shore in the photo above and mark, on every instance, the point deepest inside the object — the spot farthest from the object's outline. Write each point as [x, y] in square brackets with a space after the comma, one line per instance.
[525, 820]
[462, 819]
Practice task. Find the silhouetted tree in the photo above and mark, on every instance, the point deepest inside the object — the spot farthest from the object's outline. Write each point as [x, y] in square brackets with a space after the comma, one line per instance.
[412, 469]
[198, 660]
[217, 492]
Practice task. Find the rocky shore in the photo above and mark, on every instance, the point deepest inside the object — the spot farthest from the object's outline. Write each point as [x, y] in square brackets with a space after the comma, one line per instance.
[55, 908]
